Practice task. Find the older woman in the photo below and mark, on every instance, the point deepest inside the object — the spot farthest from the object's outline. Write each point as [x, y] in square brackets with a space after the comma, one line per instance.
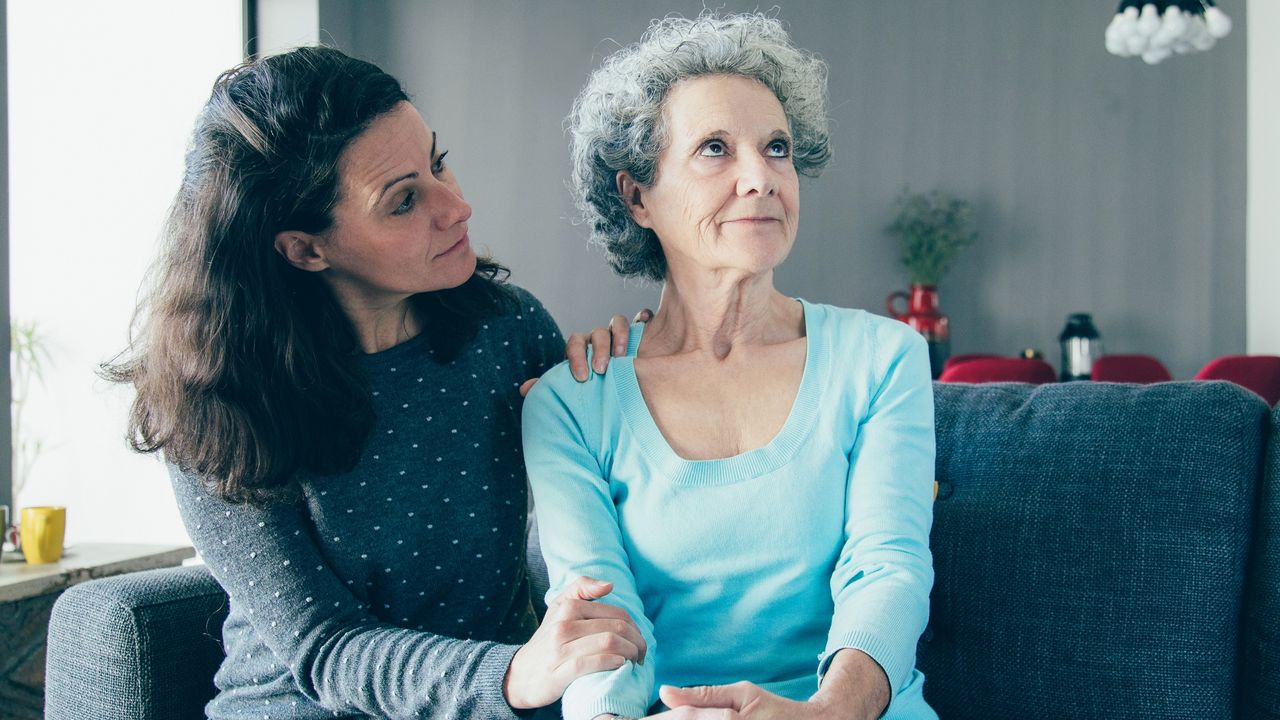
[755, 476]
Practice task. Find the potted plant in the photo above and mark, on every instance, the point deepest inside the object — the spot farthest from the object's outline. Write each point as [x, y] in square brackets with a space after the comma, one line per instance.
[28, 356]
[931, 228]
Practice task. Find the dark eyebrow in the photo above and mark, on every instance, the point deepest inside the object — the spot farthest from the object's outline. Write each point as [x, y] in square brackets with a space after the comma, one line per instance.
[388, 186]
[406, 176]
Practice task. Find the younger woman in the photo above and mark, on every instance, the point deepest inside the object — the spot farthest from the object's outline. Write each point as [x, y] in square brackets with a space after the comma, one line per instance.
[333, 377]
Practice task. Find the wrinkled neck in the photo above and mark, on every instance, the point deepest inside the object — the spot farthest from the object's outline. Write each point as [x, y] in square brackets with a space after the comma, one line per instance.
[718, 315]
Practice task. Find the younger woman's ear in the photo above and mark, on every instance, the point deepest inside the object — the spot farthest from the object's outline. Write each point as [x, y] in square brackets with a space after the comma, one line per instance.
[632, 194]
[301, 250]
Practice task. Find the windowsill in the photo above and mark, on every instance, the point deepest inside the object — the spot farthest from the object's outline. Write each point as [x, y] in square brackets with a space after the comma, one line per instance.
[81, 563]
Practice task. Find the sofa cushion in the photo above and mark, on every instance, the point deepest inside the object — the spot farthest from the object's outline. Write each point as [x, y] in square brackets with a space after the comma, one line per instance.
[142, 646]
[1090, 542]
[1260, 672]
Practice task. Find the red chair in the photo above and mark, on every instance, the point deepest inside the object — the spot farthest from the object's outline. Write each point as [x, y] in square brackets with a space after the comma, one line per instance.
[1259, 373]
[1142, 369]
[964, 358]
[1000, 369]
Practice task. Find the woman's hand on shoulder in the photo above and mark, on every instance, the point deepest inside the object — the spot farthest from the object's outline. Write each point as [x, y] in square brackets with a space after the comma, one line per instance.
[605, 342]
[576, 637]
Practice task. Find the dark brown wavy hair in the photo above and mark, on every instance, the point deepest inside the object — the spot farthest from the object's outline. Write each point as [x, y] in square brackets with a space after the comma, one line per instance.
[245, 366]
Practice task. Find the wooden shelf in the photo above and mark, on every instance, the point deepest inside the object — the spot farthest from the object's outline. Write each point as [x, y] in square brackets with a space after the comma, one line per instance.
[81, 563]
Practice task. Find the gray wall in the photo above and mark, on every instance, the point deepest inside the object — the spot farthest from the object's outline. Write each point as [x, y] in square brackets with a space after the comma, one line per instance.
[1101, 184]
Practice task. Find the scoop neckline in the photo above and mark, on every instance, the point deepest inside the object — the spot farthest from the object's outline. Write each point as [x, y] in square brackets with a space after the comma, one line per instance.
[780, 450]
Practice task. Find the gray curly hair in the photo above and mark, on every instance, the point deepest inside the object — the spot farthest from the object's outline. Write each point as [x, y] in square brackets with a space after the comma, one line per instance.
[616, 121]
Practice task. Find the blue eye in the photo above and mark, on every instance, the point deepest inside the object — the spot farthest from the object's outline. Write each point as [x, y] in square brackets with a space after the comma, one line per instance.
[405, 205]
[438, 166]
[713, 148]
[779, 148]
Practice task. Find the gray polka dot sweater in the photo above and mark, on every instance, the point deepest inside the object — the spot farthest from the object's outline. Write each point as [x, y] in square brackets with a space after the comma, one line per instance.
[398, 589]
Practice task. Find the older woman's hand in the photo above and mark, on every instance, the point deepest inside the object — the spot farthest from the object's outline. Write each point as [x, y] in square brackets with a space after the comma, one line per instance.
[685, 713]
[854, 687]
[747, 700]
[576, 637]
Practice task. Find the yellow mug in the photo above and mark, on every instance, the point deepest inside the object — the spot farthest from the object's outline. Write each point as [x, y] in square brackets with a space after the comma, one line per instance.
[43, 529]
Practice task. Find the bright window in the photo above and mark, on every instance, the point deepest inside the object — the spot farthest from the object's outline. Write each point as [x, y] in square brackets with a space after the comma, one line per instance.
[102, 99]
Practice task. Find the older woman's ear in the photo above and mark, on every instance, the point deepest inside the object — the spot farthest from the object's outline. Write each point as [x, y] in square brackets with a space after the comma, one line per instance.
[630, 192]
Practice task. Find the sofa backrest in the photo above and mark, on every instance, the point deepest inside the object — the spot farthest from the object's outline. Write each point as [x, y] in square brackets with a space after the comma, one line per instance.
[1090, 543]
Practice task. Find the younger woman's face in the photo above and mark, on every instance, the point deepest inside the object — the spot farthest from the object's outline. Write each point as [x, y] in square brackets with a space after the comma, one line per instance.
[400, 225]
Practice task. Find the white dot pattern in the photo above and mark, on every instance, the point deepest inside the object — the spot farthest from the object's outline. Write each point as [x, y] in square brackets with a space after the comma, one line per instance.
[410, 550]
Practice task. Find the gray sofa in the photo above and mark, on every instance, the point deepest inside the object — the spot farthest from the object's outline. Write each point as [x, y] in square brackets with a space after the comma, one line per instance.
[1102, 551]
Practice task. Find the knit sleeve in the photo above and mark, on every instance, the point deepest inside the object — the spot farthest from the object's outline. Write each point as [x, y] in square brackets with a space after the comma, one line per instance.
[544, 344]
[884, 571]
[580, 536]
[340, 655]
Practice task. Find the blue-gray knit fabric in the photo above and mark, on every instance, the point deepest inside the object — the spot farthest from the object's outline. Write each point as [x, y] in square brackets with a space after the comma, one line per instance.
[1090, 542]
[1260, 699]
[399, 589]
[138, 646]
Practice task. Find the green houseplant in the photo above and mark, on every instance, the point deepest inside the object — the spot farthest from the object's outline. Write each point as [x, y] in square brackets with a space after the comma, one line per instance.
[931, 228]
[28, 356]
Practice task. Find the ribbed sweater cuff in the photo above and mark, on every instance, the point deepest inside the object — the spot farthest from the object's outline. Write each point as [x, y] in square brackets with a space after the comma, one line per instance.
[603, 706]
[489, 680]
[896, 667]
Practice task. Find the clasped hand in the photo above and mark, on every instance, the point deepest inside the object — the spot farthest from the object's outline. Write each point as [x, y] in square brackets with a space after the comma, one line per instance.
[576, 637]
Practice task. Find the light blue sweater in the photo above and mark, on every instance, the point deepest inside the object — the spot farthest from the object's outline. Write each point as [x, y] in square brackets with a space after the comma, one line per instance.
[759, 566]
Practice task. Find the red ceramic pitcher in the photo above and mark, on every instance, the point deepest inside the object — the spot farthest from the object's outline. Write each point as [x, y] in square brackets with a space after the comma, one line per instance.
[922, 315]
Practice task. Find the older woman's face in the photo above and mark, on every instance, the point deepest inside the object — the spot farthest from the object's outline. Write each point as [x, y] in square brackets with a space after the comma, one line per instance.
[726, 196]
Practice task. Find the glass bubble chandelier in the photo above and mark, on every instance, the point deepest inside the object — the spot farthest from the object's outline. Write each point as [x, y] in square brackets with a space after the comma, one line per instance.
[1156, 29]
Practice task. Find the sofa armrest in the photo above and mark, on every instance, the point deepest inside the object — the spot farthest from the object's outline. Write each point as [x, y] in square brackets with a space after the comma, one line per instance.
[142, 646]
[1260, 671]
[1091, 548]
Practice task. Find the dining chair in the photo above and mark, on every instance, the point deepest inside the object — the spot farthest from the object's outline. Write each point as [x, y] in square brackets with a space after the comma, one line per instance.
[966, 357]
[1142, 369]
[1000, 369]
[1259, 373]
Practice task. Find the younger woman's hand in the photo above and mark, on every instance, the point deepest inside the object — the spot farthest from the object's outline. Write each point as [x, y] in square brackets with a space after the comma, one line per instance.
[605, 342]
[576, 637]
